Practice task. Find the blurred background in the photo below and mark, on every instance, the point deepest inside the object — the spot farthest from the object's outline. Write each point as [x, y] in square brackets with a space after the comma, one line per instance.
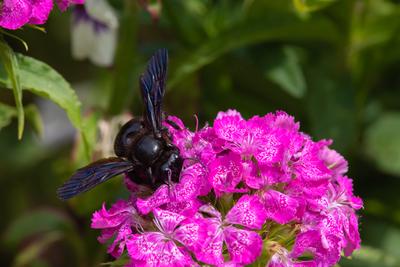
[333, 64]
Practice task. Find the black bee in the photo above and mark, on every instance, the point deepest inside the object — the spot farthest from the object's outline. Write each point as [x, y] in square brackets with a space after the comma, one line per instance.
[143, 146]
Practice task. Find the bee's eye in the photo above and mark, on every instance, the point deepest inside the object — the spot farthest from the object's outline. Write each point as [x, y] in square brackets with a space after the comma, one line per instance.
[126, 136]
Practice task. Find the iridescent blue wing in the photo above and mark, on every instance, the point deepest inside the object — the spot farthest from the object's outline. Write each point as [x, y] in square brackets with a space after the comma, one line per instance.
[93, 174]
[152, 85]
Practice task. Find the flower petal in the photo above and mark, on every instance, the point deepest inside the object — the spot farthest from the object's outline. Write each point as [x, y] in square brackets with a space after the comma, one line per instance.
[248, 211]
[168, 220]
[243, 246]
[229, 125]
[15, 13]
[40, 11]
[280, 207]
[225, 173]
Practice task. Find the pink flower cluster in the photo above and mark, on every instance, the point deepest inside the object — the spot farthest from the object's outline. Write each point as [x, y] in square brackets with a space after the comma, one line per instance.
[251, 191]
[16, 13]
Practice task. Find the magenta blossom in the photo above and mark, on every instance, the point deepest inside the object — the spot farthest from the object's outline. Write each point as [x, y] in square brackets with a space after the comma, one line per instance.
[250, 191]
[16, 13]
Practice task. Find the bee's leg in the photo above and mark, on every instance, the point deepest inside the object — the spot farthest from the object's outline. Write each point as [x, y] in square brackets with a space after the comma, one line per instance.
[195, 160]
[150, 176]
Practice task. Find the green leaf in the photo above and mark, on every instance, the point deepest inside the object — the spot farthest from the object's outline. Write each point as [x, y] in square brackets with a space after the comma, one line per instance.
[10, 63]
[90, 127]
[287, 73]
[6, 114]
[33, 116]
[33, 223]
[250, 33]
[35, 249]
[41, 79]
[330, 103]
[305, 6]
[382, 142]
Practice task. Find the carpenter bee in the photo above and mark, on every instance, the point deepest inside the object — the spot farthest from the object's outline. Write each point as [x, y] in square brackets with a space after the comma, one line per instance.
[143, 146]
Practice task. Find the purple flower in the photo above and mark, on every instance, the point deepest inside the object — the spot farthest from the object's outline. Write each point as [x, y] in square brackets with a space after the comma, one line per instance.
[16, 13]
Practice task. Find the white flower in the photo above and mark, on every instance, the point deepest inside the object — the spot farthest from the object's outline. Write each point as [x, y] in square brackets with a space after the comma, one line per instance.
[94, 32]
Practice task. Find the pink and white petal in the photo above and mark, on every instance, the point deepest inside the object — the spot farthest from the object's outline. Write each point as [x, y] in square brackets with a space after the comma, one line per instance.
[309, 167]
[346, 186]
[225, 173]
[140, 246]
[244, 246]
[229, 125]
[15, 13]
[168, 220]
[160, 197]
[271, 148]
[192, 233]
[186, 208]
[248, 211]
[168, 254]
[280, 207]
[285, 121]
[334, 161]
[352, 239]
[117, 214]
[311, 242]
[40, 11]
[117, 247]
[211, 250]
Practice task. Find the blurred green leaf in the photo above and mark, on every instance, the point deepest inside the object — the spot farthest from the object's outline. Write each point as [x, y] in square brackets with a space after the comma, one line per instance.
[305, 6]
[287, 73]
[371, 257]
[43, 80]
[35, 249]
[249, 33]
[331, 109]
[90, 126]
[6, 114]
[31, 113]
[36, 222]
[33, 116]
[382, 142]
[11, 66]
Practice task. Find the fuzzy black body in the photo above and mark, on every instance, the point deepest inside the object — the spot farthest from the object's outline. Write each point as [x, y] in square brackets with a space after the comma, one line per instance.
[143, 146]
[157, 159]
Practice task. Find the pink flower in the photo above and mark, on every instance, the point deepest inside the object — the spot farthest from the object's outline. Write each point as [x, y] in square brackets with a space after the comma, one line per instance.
[116, 223]
[16, 13]
[244, 246]
[274, 187]
[280, 207]
[160, 248]
[193, 183]
[225, 173]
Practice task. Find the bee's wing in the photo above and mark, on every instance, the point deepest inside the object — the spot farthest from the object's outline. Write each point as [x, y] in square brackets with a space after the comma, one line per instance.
[91, 175]
[152, 85]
